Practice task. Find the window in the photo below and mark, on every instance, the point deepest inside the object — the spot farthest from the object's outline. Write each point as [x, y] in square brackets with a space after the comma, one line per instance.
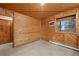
[66, 24]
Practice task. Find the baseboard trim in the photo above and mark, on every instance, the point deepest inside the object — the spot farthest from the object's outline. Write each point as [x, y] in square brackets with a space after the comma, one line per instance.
[66, 46]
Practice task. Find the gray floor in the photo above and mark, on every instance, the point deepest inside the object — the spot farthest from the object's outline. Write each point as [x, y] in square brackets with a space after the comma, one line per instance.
[38, 48]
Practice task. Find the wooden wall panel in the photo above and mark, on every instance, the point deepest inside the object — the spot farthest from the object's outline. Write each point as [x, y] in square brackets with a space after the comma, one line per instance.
[34, 36]
[26, 29]
[78, 42]
[33, 27]
[2, 11]
[66, 13]
[43, 36]
[71, 40]
[77, 21]
[7, 25]
[48, 36]
[5, 31]
[49, 31]
[57, 37]
[8, 13]
[64, 38]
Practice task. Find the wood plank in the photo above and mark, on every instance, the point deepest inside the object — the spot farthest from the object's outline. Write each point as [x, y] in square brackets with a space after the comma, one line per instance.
[8, 13]
[64, 38]
[2, 11]
[71, 40]
[5, 31]
[35, 9]
[26, 29]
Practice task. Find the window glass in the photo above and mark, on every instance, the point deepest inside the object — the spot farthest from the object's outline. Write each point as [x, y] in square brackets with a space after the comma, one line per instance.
[66, 24]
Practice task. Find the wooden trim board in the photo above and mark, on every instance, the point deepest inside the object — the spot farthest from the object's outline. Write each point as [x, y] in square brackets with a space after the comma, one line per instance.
[66, 46]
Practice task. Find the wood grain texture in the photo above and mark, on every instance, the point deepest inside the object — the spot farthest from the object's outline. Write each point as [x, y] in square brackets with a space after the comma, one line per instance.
[70, 39]
[5, 26]
[57, 37]
[2, 11]
[66, 13]
[78, 42]
[77, 21]
[8, 13]
[35, 9]
[5, 31]
[26, 29]
[43, 36]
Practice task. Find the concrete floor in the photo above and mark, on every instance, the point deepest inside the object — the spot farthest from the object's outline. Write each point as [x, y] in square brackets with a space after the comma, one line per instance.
[38, 48]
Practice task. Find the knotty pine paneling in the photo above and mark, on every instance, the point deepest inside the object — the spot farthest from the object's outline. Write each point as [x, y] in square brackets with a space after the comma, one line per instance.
[78, 42]
[69, 39]
[6, 25]
[5, 31]
[77, 21]
[57, 37]
[26, 29]
[38, 11]
[66, 13]
[43, 36]
[2, 11]
[8, 13]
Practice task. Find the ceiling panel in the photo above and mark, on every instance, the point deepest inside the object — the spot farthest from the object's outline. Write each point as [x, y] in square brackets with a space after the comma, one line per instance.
[38, 10]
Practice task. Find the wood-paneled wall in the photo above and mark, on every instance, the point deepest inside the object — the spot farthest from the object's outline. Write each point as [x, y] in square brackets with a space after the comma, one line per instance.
[26, 29]
[6, 12]
[78, 42]
[43, 36]
[2, 11]
[5, 16]
[70, 39]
